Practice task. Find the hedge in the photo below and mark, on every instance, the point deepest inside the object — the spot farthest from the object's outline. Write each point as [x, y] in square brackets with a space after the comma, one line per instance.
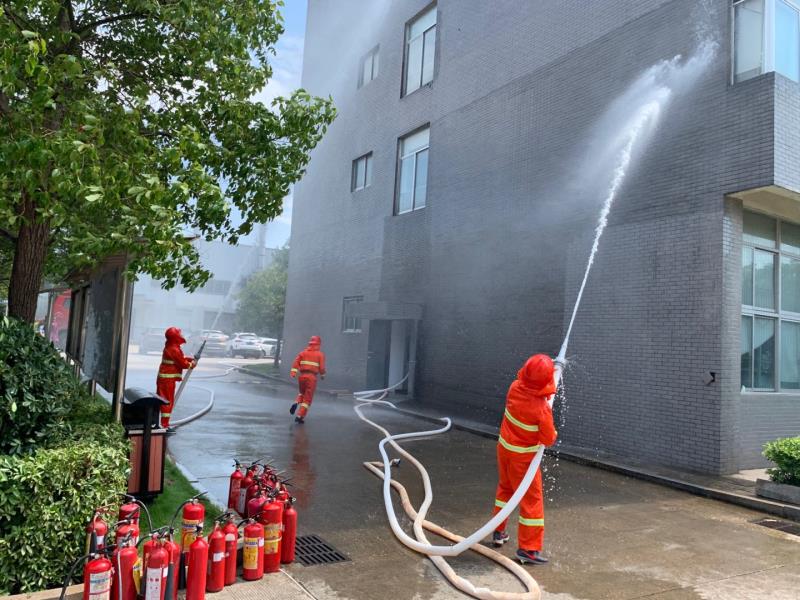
[785, 453]
[68, 458]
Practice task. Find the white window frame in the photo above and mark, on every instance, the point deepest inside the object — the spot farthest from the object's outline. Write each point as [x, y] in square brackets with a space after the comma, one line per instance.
[407, 44]
[768, 37]
[374, 56]
[346, 321]
[400, 157]
[778, 315]
[356, 185]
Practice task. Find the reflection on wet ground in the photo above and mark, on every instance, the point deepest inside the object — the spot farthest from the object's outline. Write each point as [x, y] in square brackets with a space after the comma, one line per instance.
[608, 536]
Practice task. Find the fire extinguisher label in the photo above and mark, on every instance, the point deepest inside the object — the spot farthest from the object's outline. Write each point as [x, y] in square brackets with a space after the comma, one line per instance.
[100, 586]
[272, 535]
[217, 556]
[153, 582]
[229, 537]
[137, 575]
[101, 541]
[242, 496]
[250, 552]
[189, 528]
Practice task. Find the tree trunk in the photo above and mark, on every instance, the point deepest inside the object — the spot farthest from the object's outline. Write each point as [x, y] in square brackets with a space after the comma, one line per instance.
[29, 258]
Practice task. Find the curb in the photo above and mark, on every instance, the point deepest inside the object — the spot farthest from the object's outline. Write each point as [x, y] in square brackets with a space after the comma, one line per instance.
[785, 511]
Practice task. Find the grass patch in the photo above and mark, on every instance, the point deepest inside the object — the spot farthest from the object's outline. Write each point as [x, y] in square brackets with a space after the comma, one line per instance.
[177, 489]
[264, 369]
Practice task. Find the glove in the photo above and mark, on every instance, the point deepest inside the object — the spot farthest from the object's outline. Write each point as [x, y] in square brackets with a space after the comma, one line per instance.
[293, 374]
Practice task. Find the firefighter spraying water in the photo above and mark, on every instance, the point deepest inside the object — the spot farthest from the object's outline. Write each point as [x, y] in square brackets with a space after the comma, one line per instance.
[170, 371]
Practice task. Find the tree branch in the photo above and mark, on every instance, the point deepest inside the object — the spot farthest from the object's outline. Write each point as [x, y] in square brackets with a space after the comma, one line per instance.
[18, 21]
[116, 18]
[5, 105]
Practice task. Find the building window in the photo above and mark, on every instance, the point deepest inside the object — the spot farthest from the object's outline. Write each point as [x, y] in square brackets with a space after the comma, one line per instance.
[419, 51]
[216, 287]
[766, 38]
[770, 333]
[412, 169]
[362, 172]
[351, 324]
[369, 67]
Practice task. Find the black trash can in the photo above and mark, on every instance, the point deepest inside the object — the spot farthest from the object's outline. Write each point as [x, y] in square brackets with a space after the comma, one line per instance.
[141, 411]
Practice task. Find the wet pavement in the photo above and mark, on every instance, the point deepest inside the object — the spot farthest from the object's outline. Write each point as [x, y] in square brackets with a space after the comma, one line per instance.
[608, 536]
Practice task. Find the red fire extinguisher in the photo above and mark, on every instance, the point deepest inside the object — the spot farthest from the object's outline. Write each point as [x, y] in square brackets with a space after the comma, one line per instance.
[97, 574]
[129, 511]
[253, 551]
[198, 563]
[174, 550]
[235, 485]
[148, 547]
[231, 532]
[126, 528]
[124, 559]
[289, 532]
[255, 504]
[193, 515]
[247, 481]
[215, 579]
[155, 571]
[271, 517]
[96, 531]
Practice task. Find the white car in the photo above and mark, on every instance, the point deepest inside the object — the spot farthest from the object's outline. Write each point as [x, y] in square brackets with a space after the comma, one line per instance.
[269, 346]
[244, 344]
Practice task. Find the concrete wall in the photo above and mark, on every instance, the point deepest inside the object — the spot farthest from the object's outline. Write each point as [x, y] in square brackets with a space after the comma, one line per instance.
[498, 253]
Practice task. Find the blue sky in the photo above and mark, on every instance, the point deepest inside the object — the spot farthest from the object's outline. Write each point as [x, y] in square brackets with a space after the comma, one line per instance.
[287, 66]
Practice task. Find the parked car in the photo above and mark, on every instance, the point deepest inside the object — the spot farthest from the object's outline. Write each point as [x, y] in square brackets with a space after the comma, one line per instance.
[244, 344]
[216, 342]
[269, 346]
[152, 340]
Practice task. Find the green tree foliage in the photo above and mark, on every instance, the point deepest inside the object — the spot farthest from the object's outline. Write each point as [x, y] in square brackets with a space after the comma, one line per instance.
[120, 119]
[263, 299]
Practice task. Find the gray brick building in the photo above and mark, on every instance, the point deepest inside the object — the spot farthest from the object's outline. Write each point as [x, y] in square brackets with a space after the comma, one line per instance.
[444, 223]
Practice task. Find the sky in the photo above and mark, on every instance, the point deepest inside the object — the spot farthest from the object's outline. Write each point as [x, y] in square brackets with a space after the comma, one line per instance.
[287, 66]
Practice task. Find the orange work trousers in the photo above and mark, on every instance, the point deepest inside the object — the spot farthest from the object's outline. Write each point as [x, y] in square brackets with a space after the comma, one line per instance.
[511, 468]
[165, 387]
[307, 382]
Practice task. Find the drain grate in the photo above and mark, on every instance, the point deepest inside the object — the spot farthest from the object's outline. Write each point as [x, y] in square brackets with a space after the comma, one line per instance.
[313, 550]
[784, 526]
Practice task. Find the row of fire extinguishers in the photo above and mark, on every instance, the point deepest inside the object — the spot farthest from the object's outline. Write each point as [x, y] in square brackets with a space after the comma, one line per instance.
[187, 560]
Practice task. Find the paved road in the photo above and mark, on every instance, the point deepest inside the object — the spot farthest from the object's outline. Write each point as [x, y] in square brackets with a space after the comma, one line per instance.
[608, 536]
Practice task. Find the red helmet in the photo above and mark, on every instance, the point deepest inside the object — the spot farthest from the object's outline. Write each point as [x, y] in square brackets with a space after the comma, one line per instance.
[315, 341]
[537, 374]
[173, 334]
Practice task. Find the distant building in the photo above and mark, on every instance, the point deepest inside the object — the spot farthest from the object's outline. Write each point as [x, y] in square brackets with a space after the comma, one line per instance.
[435, 230]
[230, 267]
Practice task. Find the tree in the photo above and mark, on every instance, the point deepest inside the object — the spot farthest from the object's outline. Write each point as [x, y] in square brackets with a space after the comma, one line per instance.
[263, 298]
[119, 120]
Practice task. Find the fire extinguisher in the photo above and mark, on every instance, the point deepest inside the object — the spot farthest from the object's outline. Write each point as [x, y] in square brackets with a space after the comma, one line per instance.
[97, 574]
[96, 531]
[198, 564]
[231, 531]
[124, 528]
[235, 484]
[148, 547]
[289, 532]
[255, 504]
[247, 481]
[271, 517]
[174, 550]
[253, 551]
[215, 579]
[252, 492]
[193, 515]
[156, 569]
[124, 559]
[132, 509]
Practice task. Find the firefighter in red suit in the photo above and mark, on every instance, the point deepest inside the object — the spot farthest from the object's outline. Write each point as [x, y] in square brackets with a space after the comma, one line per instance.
[527, 425]
[173, 362]
[309, 363]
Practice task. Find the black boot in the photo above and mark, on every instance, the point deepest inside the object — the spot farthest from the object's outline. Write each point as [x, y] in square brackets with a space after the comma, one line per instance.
[294, 408]
[299, 420]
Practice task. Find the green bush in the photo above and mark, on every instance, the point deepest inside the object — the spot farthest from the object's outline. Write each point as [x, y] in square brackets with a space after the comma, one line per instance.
[785, 453]
[61, 456]
[46, 498]
[37, 389]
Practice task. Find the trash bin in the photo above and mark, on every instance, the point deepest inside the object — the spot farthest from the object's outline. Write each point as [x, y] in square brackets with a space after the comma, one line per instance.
[140, 417]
